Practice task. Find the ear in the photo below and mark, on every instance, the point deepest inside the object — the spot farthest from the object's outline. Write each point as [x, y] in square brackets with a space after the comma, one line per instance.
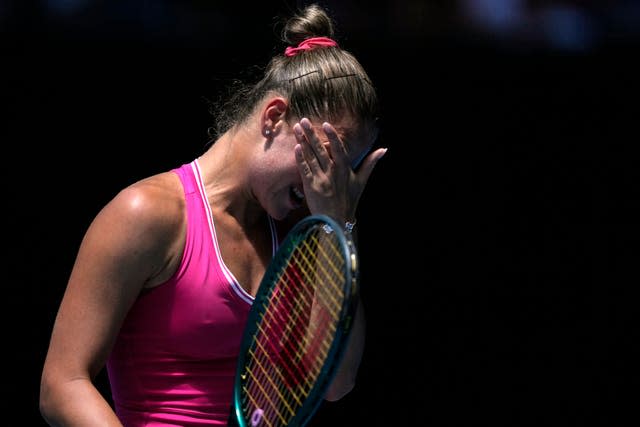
[273, 115]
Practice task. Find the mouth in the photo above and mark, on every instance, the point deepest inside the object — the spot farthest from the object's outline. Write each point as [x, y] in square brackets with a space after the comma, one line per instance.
[297, 196]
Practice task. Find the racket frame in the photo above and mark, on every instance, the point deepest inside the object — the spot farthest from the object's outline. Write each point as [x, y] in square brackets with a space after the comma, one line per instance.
[344, 324]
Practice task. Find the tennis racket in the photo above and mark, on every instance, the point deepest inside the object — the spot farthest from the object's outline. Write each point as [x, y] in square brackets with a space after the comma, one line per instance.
[297, 328]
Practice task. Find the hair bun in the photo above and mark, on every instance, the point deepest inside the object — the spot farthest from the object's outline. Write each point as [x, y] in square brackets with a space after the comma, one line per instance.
[312, 21]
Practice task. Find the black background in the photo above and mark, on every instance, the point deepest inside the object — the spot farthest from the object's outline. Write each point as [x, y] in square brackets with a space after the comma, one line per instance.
[498, 236]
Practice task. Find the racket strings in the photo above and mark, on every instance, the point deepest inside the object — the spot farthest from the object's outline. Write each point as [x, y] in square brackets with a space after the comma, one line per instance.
[295, 330]
[289, 374]
[326, 267]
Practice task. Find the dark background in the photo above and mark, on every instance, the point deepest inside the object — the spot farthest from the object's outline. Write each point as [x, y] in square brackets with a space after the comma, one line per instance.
[498, 236]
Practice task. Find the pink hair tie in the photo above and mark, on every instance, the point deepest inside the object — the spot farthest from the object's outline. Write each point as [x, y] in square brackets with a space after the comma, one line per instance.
[310, 43]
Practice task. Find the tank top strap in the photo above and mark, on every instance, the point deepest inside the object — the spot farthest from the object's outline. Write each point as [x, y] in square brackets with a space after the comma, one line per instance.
[187, 177]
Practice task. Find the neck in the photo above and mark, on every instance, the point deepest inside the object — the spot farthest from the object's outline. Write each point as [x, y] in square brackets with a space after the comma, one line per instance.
[226, 181]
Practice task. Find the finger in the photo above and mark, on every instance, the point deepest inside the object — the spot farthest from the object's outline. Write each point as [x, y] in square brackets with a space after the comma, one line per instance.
[318, 151]
[369, 163]
[336, 147]
[303, 166]
[308, 156]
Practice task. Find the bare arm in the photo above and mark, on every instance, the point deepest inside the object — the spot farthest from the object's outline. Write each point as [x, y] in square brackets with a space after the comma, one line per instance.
[124, 248]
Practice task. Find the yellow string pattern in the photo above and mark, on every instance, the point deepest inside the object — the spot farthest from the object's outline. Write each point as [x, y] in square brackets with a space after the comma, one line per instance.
[296, 331]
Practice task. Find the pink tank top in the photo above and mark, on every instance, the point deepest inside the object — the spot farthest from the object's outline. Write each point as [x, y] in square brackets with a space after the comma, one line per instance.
[173, 363]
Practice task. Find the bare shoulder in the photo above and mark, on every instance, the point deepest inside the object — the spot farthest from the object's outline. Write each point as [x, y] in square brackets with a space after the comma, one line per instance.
[144, 224]
[156, 201]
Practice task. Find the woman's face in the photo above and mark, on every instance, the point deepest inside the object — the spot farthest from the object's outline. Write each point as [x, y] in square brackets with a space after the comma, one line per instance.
[277, 184]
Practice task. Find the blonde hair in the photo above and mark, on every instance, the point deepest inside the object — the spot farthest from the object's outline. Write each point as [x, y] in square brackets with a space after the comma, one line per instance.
[323, 82]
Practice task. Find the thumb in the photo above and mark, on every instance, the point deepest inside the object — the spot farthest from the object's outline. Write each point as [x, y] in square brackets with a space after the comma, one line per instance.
[369, 163]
